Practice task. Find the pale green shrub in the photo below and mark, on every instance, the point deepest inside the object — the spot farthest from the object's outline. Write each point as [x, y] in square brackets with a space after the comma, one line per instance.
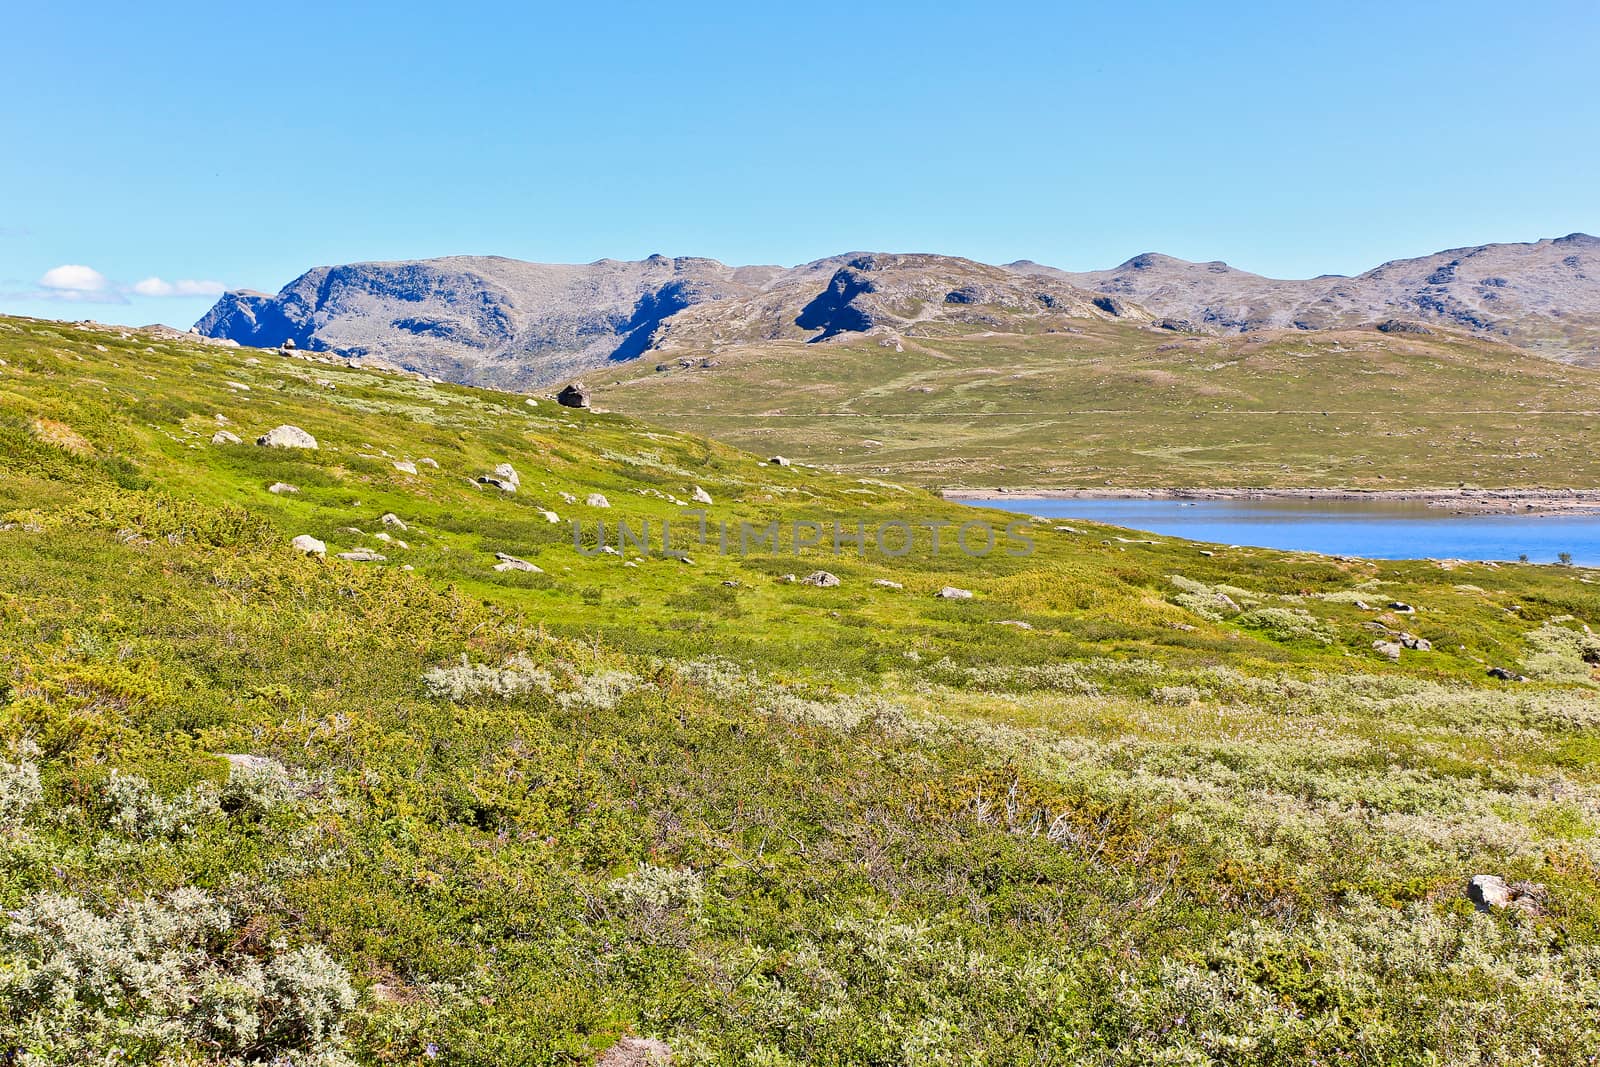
[150, 980]
[1177, 696]
[20, 790]
[1561, 653]
[602, 690]
[136, 809]
[1287, 624]
[467, 681]
[661, 888]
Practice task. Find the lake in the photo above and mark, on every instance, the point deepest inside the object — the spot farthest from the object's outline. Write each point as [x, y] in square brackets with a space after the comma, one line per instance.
[1374, 529]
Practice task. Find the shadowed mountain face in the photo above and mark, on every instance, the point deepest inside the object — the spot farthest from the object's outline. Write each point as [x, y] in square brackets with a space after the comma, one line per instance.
[502, 322]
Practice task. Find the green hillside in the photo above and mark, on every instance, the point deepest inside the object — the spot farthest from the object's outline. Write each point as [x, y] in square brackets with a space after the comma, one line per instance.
[1134, 801]
[1133, 407]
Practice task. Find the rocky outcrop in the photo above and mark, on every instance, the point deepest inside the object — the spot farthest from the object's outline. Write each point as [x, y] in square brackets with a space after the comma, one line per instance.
[1543, 295]
[505, 323]
[287, 437]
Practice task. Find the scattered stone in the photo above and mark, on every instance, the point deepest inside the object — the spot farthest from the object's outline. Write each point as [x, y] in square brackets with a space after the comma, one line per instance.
[1018, 623]
[390, 519]
[550, 516]
[700, 496]
[1402, 607]
[950, 592]
[287, 437]
[884, 583]
[778, 461]
[288, 343]
[512, 563]
[636, 1052]
[505, 478]
[531, 402]
[382, 536]
[1207, 552]
[308, 544]
[428, 461]
[243, 388]
[788, 579]
[222, 420]
[821, 579]
[573, 396]
[1489, 891]
[1415, 643]
[363, 555]
[1391, 649]
[223, 437]
[1505, 675]
[405, 466]
[282, 487]
[597, 500]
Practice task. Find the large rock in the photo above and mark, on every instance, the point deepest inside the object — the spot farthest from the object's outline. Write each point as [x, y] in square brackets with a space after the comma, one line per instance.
[309, 545]
[950, 592]
[573, 396]
[287, 437]
[821, 579]
[700, 496]
[597, 500]
[223, 437]
[512, 563]
[504, 478]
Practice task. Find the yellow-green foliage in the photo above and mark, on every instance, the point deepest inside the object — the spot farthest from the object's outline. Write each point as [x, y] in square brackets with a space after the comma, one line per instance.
[263, 807]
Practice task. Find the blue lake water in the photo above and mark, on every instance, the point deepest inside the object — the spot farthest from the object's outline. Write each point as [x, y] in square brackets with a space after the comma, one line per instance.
[1377, 529]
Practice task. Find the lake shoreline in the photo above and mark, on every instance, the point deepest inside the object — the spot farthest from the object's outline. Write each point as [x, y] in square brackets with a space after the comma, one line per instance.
[1509, 501]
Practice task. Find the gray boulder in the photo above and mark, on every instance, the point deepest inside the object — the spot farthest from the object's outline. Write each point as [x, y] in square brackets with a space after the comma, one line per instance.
[950, 592]
[223, 437]
[309, 545]
[821, 579]
[287, 437]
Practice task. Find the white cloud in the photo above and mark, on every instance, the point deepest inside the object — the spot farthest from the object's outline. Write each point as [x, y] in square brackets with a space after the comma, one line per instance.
[73, 278]
[154, 286]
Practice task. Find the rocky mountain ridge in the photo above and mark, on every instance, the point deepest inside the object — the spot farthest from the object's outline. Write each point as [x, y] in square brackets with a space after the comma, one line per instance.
[508, 323]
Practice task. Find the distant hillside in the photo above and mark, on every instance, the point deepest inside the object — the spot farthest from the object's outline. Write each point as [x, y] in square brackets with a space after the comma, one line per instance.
[494, 321]
[1113, 403]
[1544, 295]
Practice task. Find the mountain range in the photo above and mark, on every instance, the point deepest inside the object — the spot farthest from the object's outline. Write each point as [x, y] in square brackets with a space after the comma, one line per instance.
[488, 320]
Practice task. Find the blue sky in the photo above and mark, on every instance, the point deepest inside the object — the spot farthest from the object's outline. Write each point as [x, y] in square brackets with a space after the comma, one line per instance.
[160, 150]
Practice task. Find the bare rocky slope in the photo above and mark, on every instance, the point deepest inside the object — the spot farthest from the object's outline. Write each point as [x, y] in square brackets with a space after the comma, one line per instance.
[1542, 295]
[493, 321]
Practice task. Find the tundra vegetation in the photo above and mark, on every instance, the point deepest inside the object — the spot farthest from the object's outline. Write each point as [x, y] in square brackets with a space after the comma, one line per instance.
[263, 805]
[1114, 404]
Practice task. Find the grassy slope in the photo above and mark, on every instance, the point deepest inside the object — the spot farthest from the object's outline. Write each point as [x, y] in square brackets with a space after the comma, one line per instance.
[912, 835]
[1136, 408]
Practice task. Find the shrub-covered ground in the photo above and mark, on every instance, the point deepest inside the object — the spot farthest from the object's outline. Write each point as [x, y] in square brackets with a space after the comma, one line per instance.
[263, 807]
